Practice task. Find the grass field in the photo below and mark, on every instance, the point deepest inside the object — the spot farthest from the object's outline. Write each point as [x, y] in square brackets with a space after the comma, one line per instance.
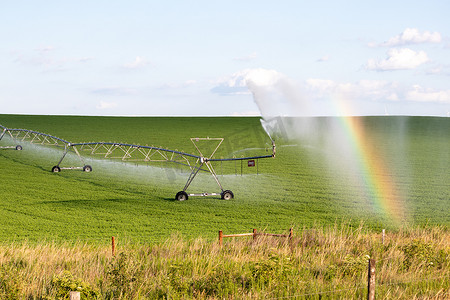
[300, 188]
[319, 263]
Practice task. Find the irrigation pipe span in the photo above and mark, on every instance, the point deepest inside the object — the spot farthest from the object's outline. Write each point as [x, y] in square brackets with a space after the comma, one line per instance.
[132, 152]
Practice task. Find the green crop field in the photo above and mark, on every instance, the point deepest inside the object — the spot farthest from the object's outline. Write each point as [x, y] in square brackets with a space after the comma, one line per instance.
[309, 182]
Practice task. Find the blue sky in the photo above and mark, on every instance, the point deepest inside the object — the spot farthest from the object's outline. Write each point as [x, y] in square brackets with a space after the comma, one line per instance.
[209, 58]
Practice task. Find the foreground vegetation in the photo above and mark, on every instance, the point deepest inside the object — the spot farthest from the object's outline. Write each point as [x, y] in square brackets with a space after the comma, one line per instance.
[56, 228]
[320, 262]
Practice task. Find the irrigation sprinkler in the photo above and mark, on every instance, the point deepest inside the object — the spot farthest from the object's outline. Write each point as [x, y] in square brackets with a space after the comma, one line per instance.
[4, 131]
[135, 153]
[195, 163]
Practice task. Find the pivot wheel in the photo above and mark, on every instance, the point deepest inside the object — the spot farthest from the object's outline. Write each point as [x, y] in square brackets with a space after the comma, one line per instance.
[181, 196]
[56, 169]
[18, 147]
[227, 195]
[87, 168]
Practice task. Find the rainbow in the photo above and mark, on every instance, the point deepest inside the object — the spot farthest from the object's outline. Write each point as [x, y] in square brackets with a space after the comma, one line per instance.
[377, 178]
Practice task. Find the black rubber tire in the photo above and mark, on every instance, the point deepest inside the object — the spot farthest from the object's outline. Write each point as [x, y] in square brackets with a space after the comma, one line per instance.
[227, 195]
[181, 196]
[18, 147]
[87, 168]
[56, 169]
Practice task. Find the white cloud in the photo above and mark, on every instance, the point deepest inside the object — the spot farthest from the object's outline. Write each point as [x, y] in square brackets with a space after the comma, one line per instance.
[139, 62]
[273, 92]
[361, 90]
[398, 59]
[262, 77]
[420, 94]
[106, 105]
[239, 82]
[413, 36]
[375, 90]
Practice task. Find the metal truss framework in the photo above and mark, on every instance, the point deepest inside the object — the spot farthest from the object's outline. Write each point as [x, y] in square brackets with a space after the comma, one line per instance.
[8, 131]
[131, 153]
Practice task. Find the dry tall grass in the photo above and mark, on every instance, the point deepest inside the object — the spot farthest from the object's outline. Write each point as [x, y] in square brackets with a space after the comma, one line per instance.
[316, 263]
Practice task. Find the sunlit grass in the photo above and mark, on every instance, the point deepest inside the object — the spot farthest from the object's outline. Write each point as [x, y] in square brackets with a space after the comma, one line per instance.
[317, 262]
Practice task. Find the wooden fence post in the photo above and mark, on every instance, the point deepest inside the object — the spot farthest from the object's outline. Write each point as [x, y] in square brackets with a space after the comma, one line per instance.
[113, 246]
[220, 237]
[74, 295]
[371, 280]
[254, 234]
[382, 236]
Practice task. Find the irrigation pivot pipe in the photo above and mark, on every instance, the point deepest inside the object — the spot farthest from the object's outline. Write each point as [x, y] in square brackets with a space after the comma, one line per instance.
[132, 152]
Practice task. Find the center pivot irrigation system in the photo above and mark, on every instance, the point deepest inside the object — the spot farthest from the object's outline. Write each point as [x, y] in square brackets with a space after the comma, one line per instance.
[131, 152]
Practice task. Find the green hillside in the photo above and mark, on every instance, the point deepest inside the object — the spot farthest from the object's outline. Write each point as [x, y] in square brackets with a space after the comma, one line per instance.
[309, 182]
